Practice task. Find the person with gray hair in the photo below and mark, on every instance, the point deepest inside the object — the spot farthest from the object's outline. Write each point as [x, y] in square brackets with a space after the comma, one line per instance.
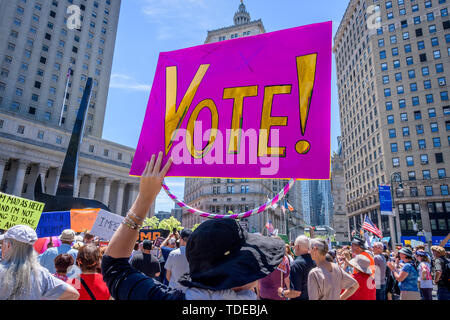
[380, 270]
[21, 275]
[327, 280]
[300, 269]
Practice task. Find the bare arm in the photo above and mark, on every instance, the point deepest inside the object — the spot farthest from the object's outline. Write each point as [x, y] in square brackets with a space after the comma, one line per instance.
[349, 292]
[70, 294]
[123, 240]
[168, 274]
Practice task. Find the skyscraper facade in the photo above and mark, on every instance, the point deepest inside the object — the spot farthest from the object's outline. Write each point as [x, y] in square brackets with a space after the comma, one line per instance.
[392, 60]
[48, 49]
[339, 221]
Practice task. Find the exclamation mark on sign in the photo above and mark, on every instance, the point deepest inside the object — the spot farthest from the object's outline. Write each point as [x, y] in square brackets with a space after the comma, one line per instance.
[306, 71]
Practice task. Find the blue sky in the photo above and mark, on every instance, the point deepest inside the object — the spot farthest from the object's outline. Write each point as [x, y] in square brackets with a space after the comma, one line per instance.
[148, 27]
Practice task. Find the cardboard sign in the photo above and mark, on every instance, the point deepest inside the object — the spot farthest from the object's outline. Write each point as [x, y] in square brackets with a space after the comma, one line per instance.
[106, 224]
[152, 234]
[82, 220]
[158, 242]
[15, 210]
[252, 107]
[53, 223]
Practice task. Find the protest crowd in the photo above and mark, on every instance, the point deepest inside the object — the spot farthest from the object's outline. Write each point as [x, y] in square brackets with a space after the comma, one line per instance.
[216, 261]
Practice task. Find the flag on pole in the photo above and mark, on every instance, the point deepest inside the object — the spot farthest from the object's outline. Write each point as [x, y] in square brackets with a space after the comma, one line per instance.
[290, 207]
[284, 265]
[270, 227]
[371, 227]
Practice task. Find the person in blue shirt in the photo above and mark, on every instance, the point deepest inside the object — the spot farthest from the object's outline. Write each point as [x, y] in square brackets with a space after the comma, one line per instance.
[406, 275]
[47, 259]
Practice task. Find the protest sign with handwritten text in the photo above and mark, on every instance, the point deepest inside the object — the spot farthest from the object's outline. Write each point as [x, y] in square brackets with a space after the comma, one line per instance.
[106, 224]
[15, 210]
[53, 223]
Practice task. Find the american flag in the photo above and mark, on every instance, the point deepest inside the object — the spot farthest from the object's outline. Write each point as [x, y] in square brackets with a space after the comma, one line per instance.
[371, 227]
[270, 227]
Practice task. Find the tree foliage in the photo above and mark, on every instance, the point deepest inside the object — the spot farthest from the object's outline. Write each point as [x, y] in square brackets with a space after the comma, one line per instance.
[169, 224]
[152, 222]
[195, 226]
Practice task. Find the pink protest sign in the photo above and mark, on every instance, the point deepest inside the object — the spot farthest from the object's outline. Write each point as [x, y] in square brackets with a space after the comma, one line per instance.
[251, 107]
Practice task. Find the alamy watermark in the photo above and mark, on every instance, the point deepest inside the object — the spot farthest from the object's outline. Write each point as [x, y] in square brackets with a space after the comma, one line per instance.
[74, 20]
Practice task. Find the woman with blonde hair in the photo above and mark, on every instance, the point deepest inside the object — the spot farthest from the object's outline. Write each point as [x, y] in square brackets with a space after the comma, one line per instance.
[21, 275]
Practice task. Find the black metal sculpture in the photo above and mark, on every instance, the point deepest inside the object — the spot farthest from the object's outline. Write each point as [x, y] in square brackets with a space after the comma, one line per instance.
[64, 199]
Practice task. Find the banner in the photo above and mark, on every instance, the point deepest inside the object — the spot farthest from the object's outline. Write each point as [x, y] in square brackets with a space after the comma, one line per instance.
[82, 220]
[252, 107]
[385, 196]
[16, 210]
[106, 224]
[152, 234]
[53, 223]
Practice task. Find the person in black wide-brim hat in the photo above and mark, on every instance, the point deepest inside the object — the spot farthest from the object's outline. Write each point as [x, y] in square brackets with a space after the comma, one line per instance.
[224, 260]
[222, 255]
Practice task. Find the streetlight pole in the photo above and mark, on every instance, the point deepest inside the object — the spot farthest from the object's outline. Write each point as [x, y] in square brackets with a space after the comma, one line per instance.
[399, 179]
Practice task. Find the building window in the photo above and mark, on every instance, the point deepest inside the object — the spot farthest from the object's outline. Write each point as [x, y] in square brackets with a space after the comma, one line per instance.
[441, 173]
[394, 147]
[409, 161]
[20, 129]
[434, 127]
[58, 139]
[417, 115]
[408, 145]
[436, 142]
[429, 191]
[390, 119]
[422, 144]
[444, 190]
[423, 159]
[395, 162]
[405, 131]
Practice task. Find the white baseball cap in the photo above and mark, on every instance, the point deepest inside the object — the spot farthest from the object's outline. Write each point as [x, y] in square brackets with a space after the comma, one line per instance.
[21, 233]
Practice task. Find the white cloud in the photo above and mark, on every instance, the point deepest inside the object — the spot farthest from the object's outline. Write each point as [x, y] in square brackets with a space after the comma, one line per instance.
[123, 81]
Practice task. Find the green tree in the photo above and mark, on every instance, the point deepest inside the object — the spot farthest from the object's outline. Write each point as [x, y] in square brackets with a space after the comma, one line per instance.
[152, 222]
[195, 226]
[169, 224]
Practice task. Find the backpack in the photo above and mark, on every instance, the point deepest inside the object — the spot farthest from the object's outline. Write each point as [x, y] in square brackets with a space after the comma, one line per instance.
[445, 276]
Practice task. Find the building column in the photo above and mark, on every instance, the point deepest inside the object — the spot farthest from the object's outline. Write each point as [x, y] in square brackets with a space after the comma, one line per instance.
[42, 172]
[54, 188]
[425, 216]
[106, 191]
[134, 189]
[3, 161]
[119, 203]
[20, 177]
[380, 225]
[76, 187]
[91, 190]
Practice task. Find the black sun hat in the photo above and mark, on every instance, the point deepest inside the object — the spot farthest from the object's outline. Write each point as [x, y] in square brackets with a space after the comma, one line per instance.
[222, 255]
